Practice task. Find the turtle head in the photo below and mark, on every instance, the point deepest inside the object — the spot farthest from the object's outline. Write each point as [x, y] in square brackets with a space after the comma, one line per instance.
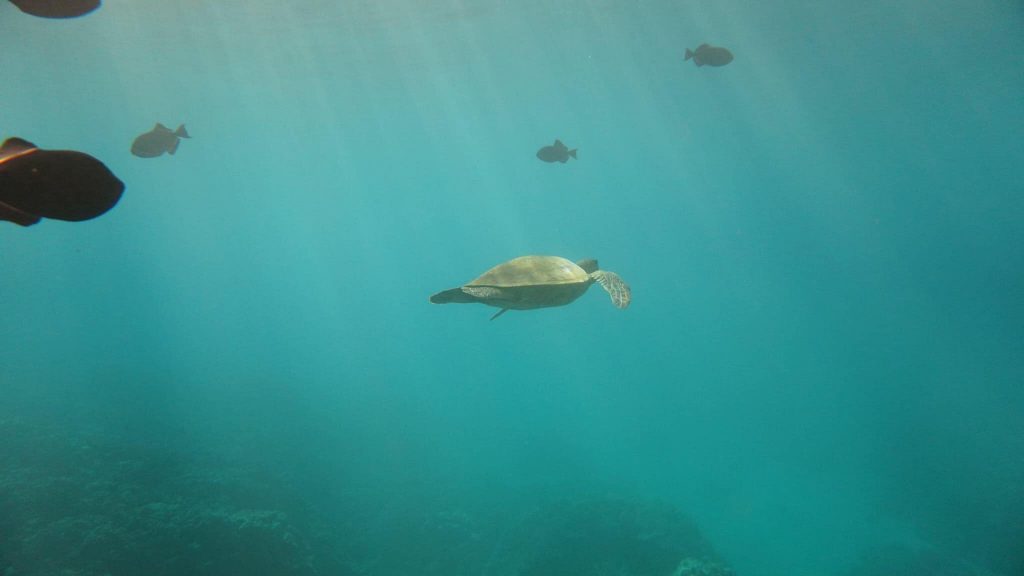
[589, 265]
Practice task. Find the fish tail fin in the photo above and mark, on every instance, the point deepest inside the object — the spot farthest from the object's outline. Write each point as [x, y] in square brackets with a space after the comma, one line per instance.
[181, 132]
[689, 54]
[573, 152]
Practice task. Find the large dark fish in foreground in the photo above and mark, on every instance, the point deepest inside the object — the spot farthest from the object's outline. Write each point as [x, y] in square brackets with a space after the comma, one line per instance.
[59, 184]
[57, 8]
[710, 55]
[157, 141]
[557, 152]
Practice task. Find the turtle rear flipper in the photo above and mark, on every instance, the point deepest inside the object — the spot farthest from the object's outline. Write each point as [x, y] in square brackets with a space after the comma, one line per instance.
[615, 287]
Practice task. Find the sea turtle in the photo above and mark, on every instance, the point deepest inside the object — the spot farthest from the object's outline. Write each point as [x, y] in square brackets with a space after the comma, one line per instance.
[531, 282]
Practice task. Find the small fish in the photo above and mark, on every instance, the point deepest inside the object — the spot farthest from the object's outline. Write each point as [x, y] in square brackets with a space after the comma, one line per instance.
[56, 8]
[59, 184]
[710, 55]
[157, 141]
[557, 152]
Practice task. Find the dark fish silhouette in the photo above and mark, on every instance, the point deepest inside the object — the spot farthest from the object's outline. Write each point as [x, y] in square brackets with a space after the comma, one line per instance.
[57, 8]
[710, 55]
[59, 184]
[157, 141]
[557, 152]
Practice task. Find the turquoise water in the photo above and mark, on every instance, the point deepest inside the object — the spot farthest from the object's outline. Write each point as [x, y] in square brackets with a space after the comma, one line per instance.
[825, 352]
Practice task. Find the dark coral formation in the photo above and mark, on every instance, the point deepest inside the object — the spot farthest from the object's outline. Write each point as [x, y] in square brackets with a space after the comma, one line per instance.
[93, 507]
[701, 567]
[607, 537]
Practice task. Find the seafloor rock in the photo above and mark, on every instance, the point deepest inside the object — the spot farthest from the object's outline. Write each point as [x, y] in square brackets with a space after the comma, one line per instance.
[701, 567]
[604, 537]
[90, 506]
[595, 537]
[450, 542]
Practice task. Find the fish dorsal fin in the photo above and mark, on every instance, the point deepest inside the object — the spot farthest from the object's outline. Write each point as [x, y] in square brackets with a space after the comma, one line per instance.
[161, 128]
[702, 46]
[558, 144]
[14, 147]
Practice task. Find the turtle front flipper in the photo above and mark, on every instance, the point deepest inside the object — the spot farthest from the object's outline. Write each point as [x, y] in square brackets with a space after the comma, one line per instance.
[615, 287]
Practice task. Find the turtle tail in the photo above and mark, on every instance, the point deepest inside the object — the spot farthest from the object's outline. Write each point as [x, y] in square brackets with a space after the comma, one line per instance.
[455, 295]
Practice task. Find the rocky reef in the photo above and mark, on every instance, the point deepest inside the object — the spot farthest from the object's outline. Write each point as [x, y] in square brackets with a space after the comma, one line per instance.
[701, 567]
[611, 537]
[94, 504]
[595, 536]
